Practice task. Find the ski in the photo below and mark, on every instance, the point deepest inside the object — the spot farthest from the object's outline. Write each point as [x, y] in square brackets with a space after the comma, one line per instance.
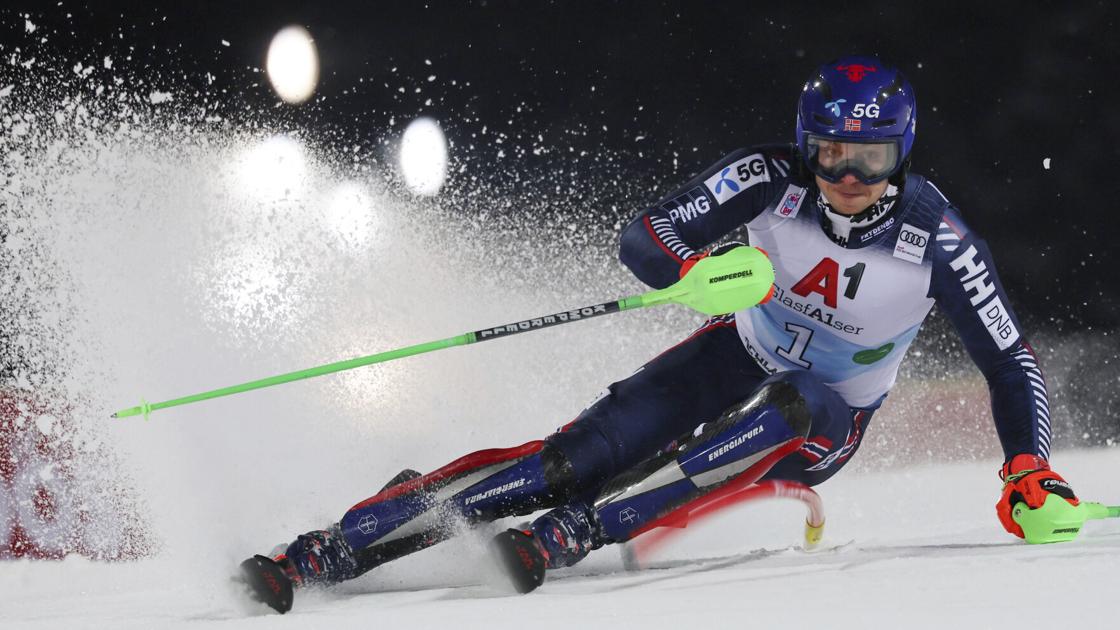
[268, 583]
[520, 558]
[638, 551]
[524, 563]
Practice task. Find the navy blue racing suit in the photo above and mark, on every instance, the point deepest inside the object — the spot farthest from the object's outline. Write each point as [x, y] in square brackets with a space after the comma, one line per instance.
[845, 309]
[850, 295]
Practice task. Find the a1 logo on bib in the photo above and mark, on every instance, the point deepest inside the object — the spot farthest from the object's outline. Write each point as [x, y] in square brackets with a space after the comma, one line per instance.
[911, 244]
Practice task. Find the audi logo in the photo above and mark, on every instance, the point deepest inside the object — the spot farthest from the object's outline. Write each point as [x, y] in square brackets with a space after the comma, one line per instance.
[914, 239]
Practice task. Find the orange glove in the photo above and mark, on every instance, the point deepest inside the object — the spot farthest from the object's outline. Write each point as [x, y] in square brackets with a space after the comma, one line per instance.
[690, 262]
[722, 248]
[1028, 479]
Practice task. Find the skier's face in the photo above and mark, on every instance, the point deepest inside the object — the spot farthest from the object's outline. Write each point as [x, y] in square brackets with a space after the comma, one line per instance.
[849, 195]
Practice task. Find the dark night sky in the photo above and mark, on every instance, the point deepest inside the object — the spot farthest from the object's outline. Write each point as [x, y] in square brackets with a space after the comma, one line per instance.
[999, 89]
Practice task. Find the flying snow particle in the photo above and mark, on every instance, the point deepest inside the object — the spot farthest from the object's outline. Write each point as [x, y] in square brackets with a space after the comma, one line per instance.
[45, 424]
[159, 97]
[348, 213]
[1046, 163]
[273, 169]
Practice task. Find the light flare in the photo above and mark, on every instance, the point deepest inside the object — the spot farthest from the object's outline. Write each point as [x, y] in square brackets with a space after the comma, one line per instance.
[293, 64]
[423, 158]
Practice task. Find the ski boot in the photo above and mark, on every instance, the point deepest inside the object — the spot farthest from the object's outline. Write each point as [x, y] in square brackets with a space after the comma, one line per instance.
[559, 538]
[317, 557]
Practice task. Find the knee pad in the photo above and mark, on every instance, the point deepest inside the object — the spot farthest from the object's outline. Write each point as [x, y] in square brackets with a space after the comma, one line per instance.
[784, 393]
[781, 393]
[558, 472]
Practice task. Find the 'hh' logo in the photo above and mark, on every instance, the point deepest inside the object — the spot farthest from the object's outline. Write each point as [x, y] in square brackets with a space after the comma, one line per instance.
[976, 285]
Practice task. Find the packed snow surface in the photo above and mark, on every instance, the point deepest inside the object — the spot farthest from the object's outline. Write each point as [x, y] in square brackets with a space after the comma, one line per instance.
[914, 548]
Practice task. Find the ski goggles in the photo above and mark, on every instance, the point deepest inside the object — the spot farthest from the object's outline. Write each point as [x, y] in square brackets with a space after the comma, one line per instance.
[870, 161]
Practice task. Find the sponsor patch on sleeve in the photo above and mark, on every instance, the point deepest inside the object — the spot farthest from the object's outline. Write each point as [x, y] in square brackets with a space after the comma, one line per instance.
[911, 244]
[998, 323]
[684, 208]
[791, 202]
[737, 177]
[978, 287]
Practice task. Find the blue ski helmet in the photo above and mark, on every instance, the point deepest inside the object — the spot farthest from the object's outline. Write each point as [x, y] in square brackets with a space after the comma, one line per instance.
[856, 115]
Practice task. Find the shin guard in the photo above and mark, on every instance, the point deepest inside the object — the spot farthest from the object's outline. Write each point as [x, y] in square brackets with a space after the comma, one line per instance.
[482, 486]
[739, 447]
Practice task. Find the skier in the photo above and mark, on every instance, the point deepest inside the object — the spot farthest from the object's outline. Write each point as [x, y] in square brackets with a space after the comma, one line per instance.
[862, 250]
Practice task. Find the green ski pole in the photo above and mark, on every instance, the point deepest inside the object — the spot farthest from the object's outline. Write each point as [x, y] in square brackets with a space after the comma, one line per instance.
[716, 285]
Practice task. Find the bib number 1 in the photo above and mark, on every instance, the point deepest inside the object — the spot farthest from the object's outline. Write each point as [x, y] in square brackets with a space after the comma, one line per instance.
[796, 350]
